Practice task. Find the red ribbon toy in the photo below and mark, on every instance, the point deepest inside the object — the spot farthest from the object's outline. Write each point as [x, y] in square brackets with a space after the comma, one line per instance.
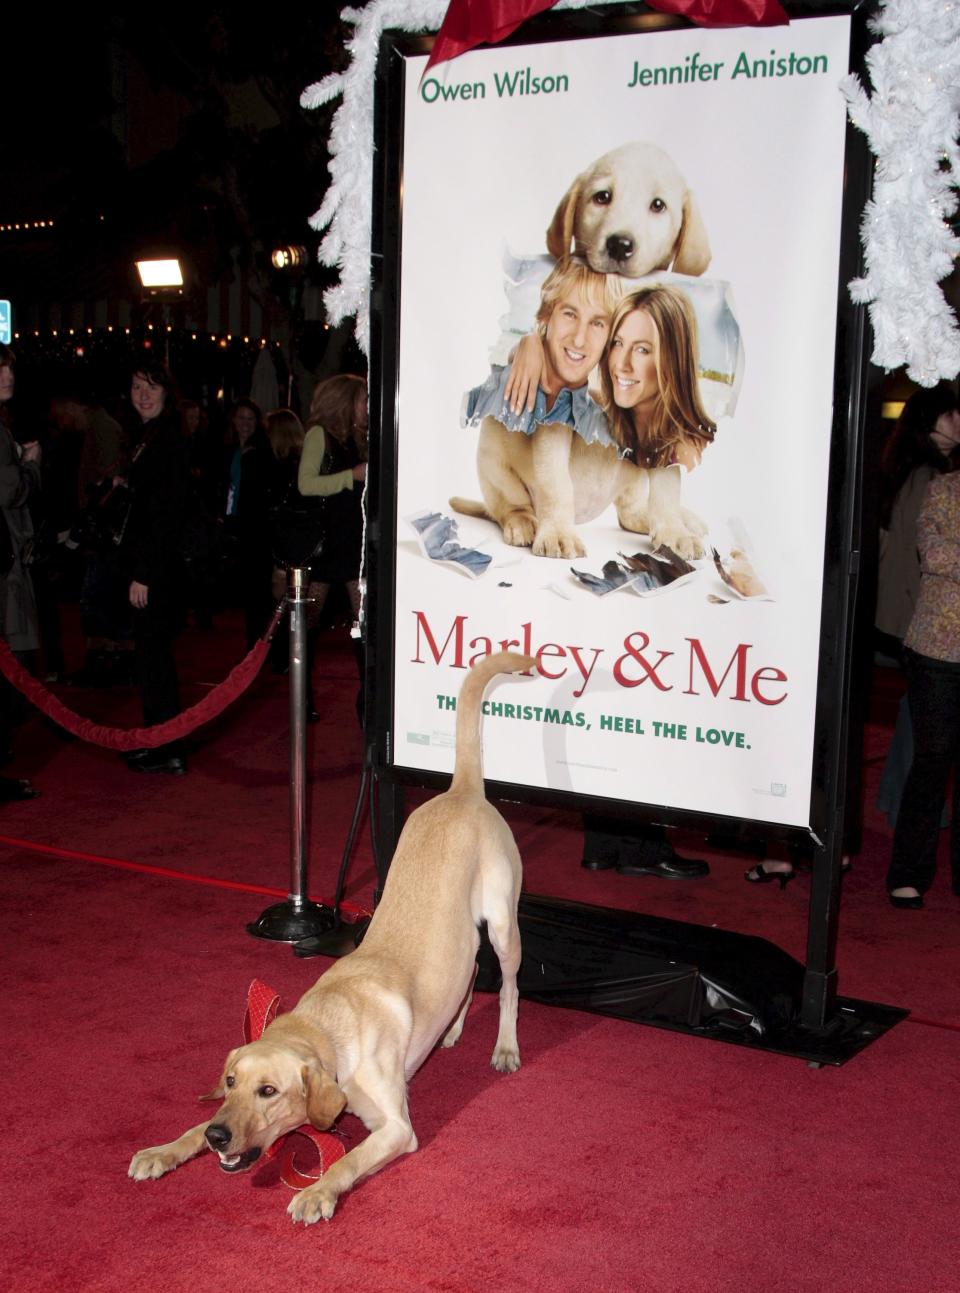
[262, 1006]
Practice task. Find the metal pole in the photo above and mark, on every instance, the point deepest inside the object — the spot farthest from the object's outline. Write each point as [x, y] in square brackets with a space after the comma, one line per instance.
[296, 597]
[298, 918]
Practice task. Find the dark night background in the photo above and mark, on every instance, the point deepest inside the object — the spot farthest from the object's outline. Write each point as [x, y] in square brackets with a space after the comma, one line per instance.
[165, 131]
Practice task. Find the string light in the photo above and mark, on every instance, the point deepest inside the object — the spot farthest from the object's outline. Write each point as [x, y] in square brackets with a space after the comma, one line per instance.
[24, 226]
[223, 341]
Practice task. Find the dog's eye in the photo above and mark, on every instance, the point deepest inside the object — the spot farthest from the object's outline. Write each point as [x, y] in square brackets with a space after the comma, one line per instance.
[267, 1091]
[602, 197]
[229, 1083]
[658, 205]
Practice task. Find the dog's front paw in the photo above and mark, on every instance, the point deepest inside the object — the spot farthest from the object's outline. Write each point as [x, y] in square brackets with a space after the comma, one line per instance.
[679, 539]
[148, 1164]
[519, 529]
[554, 541]
[316, 1203]
[505, 1059]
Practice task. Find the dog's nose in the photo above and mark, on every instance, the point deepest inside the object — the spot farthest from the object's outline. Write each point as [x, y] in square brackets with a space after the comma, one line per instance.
[218, 1136]
[619, 248]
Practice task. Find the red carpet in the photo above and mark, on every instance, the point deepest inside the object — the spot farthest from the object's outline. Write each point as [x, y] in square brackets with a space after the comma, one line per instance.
[619, 1157]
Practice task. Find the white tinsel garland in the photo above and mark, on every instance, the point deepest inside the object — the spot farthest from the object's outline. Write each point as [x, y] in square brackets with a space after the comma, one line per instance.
[911, 122]
[346, 212]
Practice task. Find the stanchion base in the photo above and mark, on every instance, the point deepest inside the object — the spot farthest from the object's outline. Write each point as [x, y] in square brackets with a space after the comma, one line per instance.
[289, 922]
[338, 941]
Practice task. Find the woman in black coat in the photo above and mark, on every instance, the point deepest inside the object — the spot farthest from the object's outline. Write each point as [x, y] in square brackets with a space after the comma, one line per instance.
[159, 479]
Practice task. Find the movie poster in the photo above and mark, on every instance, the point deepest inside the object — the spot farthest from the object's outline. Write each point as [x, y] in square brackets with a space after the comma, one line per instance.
[649, 225]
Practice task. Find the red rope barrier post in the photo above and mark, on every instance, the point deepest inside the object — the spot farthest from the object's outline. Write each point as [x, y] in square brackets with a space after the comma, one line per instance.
[298, 917]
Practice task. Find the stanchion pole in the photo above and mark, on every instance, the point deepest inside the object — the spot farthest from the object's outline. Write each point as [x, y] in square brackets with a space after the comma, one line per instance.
[298, 917]
[299, 690]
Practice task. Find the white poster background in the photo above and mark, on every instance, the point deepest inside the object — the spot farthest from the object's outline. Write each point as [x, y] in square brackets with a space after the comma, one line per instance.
[764, 157]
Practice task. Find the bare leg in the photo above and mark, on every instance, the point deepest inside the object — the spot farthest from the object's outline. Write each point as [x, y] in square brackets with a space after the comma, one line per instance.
[317, 594]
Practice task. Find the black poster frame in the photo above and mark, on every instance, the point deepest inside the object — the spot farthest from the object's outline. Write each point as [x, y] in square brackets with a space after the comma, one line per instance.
[854, 384]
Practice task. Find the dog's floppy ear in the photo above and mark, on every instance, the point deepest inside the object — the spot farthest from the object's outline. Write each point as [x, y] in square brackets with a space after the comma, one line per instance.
[218, 1092]
[693, 245]
[325, 1101]
[560, 232]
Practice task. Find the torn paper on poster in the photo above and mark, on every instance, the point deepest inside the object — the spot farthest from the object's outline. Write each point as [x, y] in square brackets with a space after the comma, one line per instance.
[437, 537]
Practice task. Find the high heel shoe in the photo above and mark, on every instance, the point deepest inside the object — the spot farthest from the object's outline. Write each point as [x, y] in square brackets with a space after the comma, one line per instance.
[760, 875]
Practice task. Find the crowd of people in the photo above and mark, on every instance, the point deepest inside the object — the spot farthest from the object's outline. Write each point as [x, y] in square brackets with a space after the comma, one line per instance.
[156, 506]
[150, 512]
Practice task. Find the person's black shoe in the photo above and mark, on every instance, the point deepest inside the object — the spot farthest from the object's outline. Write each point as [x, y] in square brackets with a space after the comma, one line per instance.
[602, 849]
[669, 867]
[157, 761]
[137, 756]
[760, 874]
[16, 788]
[910, 901]
[598, 863]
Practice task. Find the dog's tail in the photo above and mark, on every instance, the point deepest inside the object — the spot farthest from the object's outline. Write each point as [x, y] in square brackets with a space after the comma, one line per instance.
[467, 507]
[468, 767]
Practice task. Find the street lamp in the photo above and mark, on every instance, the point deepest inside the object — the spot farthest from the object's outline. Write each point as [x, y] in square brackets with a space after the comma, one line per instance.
[288, 257]
[160, 276]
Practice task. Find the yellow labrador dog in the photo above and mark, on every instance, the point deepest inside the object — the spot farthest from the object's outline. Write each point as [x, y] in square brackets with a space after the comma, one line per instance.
[631, 213]
[359, 1034]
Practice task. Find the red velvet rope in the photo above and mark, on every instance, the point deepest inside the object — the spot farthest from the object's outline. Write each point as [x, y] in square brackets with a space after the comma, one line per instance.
[134, 738]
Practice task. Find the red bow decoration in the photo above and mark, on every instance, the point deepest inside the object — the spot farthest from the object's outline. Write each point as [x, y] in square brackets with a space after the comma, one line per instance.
[262, 1006]
[469, 23]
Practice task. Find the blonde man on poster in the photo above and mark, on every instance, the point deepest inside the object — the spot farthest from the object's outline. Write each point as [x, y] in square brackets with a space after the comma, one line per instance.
[527, 478]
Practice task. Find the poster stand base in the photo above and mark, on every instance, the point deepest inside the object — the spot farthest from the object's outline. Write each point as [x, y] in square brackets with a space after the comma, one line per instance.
[695, 979]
